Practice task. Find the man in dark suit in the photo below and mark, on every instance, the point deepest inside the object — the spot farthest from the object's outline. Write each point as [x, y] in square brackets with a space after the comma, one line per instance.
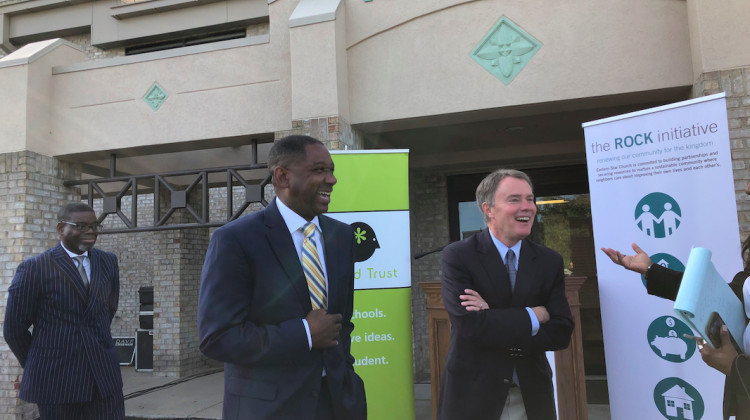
[69, 294]
[505, 296]
[284, 331]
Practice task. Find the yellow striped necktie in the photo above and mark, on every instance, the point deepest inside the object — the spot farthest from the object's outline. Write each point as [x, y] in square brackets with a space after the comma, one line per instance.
[313, 269]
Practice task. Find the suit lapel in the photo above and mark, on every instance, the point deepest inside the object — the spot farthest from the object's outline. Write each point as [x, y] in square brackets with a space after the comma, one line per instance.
[63, 261]
[97, 281]
[283, 248]
[525, 275]
[332, 255]
[499, 282]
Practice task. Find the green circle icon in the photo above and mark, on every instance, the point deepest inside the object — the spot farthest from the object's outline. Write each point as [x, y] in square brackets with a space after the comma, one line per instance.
[665, 260]
[678, 400]
[658, 215]
[666, 338]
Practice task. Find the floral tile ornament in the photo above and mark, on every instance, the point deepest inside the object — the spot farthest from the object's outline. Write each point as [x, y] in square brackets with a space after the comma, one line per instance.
[505, 50]
[155, 97]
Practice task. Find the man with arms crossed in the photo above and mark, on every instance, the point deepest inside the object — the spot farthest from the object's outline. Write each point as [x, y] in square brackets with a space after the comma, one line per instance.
[505, 296]
[69, 294]
[276, 297]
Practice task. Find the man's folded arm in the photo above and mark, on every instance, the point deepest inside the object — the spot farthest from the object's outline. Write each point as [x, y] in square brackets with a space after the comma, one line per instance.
[555, 334]
[502, 328]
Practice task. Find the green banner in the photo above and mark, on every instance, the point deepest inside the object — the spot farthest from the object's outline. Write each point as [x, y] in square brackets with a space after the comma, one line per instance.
[382, 349]
[370, 182]
[372, 195]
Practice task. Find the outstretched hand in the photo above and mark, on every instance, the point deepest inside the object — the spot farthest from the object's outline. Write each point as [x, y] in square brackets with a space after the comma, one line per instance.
[638, 262]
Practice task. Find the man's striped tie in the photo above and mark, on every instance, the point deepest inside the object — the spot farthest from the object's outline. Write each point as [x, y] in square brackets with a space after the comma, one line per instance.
[312, 268]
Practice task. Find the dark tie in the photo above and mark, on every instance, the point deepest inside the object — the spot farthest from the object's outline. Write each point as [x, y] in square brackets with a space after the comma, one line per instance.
[316, 282]
[82, 269]
[510, 264]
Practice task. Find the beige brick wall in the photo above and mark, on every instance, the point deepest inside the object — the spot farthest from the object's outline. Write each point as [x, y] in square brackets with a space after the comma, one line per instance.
[736, 84]
[335, 132]
[31, 193]
[171, 262]
[428, 195]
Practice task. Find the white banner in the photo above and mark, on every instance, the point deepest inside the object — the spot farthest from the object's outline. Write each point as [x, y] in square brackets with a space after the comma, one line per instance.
[388, 233]
[661, 178]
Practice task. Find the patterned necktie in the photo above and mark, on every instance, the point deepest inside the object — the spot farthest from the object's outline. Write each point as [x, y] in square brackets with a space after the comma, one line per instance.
[313, 269]
[510, 264]
[82, 270]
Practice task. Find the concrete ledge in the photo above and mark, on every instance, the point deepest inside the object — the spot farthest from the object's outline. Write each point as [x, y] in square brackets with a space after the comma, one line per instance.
[309, 12]
[37, 5]
[153, 6]
[158, 55]
[31, 52]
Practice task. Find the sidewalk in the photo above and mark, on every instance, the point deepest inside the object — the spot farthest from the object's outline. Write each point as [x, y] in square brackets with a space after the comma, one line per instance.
[200, 397]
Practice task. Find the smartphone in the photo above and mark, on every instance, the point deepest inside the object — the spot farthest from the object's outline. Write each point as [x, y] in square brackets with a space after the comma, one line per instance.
[714, 332]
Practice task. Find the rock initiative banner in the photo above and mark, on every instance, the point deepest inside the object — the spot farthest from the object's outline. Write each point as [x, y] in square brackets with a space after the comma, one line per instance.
[661, 178]
[372, 195]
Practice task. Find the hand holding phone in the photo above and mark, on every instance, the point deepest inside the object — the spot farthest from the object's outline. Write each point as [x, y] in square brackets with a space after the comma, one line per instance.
[714, 332]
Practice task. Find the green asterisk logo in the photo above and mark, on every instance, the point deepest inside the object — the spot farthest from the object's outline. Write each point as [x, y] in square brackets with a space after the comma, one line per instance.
[359, 235]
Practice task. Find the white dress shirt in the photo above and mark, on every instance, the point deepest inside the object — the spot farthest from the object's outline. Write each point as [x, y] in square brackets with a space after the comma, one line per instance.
[294, 222]
[86, 261]
[502, 249]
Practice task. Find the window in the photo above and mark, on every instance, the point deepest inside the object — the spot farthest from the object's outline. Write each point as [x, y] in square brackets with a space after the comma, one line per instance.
[187, 41]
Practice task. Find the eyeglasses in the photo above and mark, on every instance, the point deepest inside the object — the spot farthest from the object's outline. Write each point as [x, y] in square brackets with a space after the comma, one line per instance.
[83, 227]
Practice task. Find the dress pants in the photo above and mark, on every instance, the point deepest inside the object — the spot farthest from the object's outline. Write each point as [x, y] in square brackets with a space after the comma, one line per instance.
[99, 408]
[324, 411]
[112, 408]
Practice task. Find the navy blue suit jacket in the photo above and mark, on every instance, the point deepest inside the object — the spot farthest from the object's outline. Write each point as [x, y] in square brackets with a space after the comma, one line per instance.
[253, 297]
[70, 349]
[480, 361]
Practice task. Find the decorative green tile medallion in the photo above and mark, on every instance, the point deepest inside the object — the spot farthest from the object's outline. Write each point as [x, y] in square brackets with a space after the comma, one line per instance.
[155, 97]
[505, 50]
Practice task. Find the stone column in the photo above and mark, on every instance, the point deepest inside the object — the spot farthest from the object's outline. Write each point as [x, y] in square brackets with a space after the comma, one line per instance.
[335, 132]
[428, 195]
[31, 194]
[736, 84]
[178, 260]
[720, 65]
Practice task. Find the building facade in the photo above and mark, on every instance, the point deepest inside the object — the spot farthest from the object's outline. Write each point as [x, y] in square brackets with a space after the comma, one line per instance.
[466, 85]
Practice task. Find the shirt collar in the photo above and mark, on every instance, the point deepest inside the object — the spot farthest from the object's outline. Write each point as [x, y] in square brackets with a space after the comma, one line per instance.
[502, 249]
[73, 254]
[293, 220]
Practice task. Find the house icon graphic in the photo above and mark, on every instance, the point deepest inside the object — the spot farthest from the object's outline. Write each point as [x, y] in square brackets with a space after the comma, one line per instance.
[663, 263]
[678, 403]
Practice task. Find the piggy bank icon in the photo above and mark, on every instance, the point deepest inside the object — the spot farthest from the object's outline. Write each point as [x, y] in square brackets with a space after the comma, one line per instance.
[670, 345]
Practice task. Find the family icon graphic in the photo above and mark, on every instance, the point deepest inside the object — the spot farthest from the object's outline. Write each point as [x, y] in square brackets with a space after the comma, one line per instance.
[658, 215]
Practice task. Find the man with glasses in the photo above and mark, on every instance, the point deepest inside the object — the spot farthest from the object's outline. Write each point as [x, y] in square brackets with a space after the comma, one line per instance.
[69, 295]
